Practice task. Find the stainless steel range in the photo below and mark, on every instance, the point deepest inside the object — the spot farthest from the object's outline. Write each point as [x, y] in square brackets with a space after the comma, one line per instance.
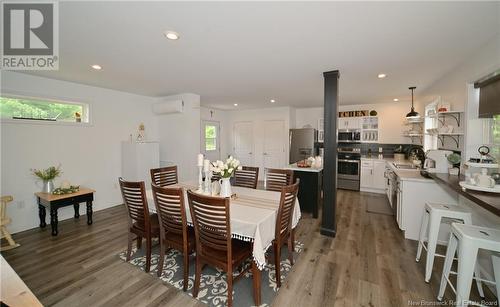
[348, 168]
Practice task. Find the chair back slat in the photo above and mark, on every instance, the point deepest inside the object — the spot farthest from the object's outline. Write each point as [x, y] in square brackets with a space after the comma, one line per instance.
[278, 178]
[247, 177]
[170, 208]
[211, 222]
[285, 211]
[164, 176]
[216, 177]
[134, 198]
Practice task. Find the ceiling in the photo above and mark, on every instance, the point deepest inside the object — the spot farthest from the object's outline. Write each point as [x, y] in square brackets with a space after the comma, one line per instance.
[251, 52]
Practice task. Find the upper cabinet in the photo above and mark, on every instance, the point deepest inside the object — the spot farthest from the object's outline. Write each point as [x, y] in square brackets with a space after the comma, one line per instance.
[349, 123]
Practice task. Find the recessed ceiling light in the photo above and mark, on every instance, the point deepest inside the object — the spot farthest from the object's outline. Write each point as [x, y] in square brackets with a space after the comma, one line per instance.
[235, 104]
[381, 76]
[396, 100]
[171, 35]
[273, 101]
[96, 67]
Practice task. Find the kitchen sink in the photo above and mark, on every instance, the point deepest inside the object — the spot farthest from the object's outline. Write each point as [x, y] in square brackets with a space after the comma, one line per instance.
[404, 166]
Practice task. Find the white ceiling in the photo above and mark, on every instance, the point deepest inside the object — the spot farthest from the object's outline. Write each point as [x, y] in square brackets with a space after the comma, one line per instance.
[249, 53]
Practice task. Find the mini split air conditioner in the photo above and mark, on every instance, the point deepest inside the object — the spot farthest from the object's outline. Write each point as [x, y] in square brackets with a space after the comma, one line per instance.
[168, 107]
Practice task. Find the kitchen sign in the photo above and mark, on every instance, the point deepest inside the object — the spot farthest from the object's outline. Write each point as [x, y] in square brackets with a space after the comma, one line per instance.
[359, 113]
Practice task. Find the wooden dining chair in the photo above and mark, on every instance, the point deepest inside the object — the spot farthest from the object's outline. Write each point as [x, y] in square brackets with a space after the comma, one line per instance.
[141, 223]
[164, 176]
[214, 245]
[174, 230]
[4, 221]
[247, 177]
[278, 178]
[284, 233]
[216, 177]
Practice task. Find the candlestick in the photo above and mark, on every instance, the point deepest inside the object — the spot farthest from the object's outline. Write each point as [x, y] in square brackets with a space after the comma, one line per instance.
[206, 165]
[200, 179]
[200, 159]
[208, 182]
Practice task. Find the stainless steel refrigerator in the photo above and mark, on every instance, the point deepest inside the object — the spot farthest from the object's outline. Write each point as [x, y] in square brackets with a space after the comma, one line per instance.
[302, 144]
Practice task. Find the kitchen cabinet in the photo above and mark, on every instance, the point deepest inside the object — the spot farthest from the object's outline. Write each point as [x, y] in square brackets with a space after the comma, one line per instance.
[411, 199]
[373, 176]
[350, 123]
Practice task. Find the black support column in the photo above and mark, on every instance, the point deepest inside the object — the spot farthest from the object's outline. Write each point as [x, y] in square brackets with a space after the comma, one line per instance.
[328, 224]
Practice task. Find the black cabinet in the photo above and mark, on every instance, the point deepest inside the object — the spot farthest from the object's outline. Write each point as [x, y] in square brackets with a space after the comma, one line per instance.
[310, 191]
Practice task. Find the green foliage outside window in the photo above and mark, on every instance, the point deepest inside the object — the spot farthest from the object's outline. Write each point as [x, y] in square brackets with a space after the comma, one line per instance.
[39, 109]
[210, 137]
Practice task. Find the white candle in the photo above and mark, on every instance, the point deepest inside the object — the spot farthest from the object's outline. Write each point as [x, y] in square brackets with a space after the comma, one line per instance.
[200, 159]
[206, 165]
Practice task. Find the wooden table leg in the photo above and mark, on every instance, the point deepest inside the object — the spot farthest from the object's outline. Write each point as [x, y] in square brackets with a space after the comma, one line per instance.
[89, 213]
[256, 283]
[77, 210]
[41, 215]
[53, 221]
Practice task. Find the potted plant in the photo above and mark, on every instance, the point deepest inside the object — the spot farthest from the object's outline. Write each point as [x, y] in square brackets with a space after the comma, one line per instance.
[226, 171]
[47, 176]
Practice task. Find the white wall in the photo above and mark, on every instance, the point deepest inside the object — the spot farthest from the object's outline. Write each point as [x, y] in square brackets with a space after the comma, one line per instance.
[258, 116]
[390, 117]
[180, 136]
[89, 154]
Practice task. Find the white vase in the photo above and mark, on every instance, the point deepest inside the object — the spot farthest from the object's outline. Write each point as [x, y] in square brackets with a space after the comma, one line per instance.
[225, 187]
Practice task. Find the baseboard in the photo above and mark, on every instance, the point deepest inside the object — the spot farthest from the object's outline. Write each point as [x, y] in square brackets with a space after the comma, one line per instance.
[371, 190]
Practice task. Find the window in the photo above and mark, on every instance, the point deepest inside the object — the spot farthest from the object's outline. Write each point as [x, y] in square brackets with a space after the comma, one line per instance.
[210, 137]
[24, 108]
[495, 137]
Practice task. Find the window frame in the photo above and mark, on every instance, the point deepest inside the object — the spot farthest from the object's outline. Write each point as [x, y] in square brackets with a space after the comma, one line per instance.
[216, 138]
[87, 109]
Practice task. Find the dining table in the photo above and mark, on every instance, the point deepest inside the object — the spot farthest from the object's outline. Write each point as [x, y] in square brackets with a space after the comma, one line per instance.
[252, 217]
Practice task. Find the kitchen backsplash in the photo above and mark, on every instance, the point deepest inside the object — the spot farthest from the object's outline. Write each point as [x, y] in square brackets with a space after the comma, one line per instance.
[387, 149]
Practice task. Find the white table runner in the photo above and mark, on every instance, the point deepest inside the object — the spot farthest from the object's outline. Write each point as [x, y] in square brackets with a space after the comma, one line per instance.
[253, 216]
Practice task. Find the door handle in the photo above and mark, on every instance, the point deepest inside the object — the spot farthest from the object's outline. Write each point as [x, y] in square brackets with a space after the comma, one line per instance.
[265, 153]
[249, 153]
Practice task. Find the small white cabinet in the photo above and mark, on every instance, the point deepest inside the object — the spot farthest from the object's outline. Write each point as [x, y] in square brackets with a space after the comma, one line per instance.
[373, 176]
[349, 123]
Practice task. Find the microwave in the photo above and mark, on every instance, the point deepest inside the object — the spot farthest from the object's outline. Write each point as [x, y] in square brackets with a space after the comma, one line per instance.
[351, 136]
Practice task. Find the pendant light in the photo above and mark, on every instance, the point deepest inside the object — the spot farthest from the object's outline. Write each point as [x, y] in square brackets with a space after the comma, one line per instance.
[412, 112]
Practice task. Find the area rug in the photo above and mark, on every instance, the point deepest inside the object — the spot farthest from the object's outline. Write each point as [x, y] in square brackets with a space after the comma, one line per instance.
[378, 204]
[213, 285]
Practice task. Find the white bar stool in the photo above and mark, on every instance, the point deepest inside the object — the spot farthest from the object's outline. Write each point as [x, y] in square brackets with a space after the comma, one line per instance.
[431, 222]
[469, 239]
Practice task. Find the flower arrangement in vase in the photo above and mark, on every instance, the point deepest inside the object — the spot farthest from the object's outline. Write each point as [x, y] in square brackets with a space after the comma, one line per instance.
[226, 171]
[47, 176]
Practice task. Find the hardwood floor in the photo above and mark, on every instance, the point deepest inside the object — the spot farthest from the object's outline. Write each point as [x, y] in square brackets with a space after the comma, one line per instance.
[367, 264]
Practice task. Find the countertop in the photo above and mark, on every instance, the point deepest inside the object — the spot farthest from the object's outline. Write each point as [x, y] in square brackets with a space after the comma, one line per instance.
[488, 201]
[403, 174]
[294, 167]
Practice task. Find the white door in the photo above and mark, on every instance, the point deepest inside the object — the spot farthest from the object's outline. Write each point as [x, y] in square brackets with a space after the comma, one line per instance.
[243, 147]
[273, 154]
[210, 140]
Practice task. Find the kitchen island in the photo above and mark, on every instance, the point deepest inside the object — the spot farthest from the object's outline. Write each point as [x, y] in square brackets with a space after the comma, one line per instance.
[310, 187]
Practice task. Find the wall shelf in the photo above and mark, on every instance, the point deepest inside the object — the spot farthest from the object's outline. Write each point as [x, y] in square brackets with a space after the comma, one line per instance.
[454, 136]
[442, 115]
